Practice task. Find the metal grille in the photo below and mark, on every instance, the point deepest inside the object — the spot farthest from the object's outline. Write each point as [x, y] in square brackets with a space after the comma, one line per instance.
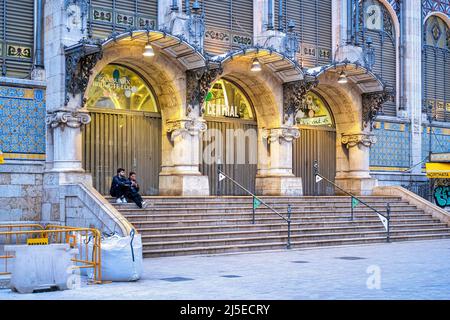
[320, 145]
[244, 173]
[17, 37]
[131, 140]
[228, 24]
[313, 25]
[436, 69]
[110, 16]
[422, 189]
[384, 45]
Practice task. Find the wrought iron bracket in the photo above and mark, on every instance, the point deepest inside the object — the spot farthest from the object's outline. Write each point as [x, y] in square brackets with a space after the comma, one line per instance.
[80, 60]
[294, 94]
[198, 84]
[372, 104]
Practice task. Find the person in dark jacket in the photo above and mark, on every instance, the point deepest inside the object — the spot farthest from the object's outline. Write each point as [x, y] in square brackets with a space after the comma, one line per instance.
[120, 186]
[133, 193]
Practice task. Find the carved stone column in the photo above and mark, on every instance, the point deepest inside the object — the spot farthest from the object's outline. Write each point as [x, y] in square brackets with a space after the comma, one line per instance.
[66, 132]
[275, 175]
[180, 173]
[358, 180]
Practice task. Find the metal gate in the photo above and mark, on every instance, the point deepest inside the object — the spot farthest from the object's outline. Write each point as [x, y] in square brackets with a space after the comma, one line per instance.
[131, 140]
[239, 166]
[315, 144]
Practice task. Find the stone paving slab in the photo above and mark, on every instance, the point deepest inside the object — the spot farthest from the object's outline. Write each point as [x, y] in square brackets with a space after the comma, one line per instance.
[405, 270]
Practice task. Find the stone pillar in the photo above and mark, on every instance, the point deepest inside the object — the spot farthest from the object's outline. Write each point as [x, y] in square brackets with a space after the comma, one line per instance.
[342, 48]
[262, 36]
[66, 133]
[180, 173]
[413, 76]
[357, 180]
[275, 175]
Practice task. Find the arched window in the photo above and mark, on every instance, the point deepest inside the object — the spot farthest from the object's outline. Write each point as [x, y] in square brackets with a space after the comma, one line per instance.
[377, 28]
[225, 99]
[118, 87]
[436, 68]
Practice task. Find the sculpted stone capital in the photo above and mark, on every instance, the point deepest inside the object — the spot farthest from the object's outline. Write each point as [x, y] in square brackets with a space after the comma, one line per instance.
[352, 140]
[184, 127]
[67, 118]
[284, 134]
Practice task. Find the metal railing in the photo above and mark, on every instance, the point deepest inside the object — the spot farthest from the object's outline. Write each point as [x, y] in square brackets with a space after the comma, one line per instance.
[223, 175]
[89, 254]
[355, 200]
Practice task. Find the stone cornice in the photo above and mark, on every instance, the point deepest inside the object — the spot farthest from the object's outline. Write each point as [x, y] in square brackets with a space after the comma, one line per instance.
[185, 126]
[352, 140]
[67, 118]
[284, 134]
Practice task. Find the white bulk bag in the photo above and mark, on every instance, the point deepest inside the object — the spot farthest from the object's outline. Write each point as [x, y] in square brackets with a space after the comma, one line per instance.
[121, 258]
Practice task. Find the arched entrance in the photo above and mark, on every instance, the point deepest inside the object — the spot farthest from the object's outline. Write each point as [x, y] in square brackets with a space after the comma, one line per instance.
[231, 138]
[317, 142]
[125, 130]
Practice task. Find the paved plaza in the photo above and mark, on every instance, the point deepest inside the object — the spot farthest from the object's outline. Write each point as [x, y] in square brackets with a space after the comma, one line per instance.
[404, 270]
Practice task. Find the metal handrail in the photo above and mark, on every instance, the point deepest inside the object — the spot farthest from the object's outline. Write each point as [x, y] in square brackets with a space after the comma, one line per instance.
[387, 216]
[289, 210]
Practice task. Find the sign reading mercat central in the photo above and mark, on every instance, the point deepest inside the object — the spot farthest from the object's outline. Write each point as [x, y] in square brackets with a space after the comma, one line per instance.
[220, 110]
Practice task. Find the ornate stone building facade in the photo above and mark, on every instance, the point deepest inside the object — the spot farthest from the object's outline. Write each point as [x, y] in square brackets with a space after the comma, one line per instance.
[162, 87]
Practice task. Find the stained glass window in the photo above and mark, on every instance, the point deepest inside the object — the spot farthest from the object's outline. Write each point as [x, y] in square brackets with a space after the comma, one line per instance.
[314, 112]
[118, 87]
[225, 99]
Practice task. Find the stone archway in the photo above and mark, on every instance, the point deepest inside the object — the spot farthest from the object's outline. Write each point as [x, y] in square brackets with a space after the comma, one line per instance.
[354, 106]
[275, 131]
[166, 73]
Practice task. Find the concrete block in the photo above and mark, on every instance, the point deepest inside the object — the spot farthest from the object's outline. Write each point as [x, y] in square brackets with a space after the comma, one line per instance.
[46, 211]
[38, 267]
[23, 179]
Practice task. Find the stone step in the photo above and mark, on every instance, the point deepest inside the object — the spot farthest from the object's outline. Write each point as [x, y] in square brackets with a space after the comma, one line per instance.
[280, 226]
[232, 241]
[148, 253]
[235, 207]
[270, 216]
[282, 232]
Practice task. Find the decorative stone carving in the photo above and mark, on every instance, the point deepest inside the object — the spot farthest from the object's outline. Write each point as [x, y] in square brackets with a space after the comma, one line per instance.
[372, 103]
[76, 10]
[294, 94]
[185, 127]
[198, 83]
[352, 140]
[80, 60]
[285, 134]
[71, 119]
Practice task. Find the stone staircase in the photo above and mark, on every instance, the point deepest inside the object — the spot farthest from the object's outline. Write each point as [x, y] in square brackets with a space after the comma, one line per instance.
[207, 225]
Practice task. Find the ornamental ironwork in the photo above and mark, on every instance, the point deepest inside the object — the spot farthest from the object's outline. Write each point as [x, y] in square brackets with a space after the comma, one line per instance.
[198, 84]
[80, 60]
[294, 95]
[372, 104]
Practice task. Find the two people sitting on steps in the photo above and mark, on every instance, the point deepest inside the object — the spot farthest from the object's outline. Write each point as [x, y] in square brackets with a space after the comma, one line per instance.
[126, 189]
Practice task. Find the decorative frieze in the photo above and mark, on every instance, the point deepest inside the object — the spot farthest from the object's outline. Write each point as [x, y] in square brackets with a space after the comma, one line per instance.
[185, 127]
[372, 103]
[285, 134]
[71, 119]
[198, 84]
[352, 140]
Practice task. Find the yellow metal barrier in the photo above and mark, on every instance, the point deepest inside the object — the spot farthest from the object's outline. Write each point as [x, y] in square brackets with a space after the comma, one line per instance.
[89, 255]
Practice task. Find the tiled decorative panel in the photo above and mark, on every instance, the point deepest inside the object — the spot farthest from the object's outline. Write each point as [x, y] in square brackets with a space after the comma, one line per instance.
[392, 150]
[435, 5]
[22, 123]
[440, 140]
